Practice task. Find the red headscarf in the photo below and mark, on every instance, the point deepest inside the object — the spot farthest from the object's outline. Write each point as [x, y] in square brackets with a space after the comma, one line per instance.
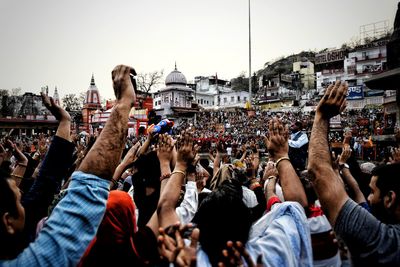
[114, 240]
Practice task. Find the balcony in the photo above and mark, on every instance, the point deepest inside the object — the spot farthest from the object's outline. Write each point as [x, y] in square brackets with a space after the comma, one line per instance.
[367, 58]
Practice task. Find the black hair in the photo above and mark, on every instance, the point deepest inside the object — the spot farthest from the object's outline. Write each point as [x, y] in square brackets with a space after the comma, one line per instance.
[7, 200]
[222, 216]
[388, 179]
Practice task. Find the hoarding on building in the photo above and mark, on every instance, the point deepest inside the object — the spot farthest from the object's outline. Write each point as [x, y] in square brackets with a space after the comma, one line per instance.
[355, 92]
[331, 56]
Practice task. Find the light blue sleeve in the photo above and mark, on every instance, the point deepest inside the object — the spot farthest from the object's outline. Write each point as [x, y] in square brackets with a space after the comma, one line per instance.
[282, 237]
[71, 227]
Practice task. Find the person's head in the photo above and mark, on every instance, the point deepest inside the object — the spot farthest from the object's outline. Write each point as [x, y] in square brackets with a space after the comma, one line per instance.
[12, 214]
[222, 216]
[297, 126]
[384, 198]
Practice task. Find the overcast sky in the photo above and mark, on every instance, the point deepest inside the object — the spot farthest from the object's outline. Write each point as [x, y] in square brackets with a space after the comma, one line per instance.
[61, 43]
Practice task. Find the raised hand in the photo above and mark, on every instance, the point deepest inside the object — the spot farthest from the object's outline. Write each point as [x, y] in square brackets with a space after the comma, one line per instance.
[165, 147]
[395, 156]
[234, 254]
[270, 170]
[346, 153]
[277, 139]
[58, 112]
[19, 156]
[172, 247]
[334, 100]
[131, 156]
[123, 87]
[186, 150]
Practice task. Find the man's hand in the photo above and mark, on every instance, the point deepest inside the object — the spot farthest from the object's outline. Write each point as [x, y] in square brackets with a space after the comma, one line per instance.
[164, 148]
[395, 156]
[186, 150]
[123, 87]
[334, 100]
[270, 170]
[172, 246]
[19, 156]
[277, 140]
[131, 156]
[346, 153]
[234, 255]
[55, 110]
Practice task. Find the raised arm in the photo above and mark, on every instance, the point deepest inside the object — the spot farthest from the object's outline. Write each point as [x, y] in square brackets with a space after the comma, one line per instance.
[103, 158]
[348, 178]
[170, 195]
[277, 144]
[327, 184]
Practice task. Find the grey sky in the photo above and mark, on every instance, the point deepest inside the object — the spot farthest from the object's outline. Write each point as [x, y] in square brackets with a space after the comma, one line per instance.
[61, 43]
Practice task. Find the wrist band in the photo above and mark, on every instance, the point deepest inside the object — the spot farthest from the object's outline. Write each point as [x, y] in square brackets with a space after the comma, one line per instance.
[280, 159]
[178, 171]
[17, 176]
[272, 177]
[115, 183]
[165, 176]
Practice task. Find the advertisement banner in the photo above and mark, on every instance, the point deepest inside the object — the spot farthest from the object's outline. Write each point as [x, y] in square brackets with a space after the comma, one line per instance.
[355, 92]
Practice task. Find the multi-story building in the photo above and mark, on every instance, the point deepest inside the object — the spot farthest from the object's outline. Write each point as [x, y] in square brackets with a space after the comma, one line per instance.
[305, 69]
[212, 93]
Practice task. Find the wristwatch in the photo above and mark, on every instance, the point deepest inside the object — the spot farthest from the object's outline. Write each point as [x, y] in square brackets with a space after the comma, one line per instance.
[344, 165]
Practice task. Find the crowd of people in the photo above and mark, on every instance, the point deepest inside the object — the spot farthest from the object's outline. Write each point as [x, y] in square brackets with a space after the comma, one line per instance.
[222, 190]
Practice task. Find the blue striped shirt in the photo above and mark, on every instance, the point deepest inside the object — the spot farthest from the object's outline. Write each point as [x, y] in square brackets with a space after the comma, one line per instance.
[71, 227]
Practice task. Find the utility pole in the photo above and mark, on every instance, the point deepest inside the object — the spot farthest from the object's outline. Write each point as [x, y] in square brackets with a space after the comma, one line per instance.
[249, 55]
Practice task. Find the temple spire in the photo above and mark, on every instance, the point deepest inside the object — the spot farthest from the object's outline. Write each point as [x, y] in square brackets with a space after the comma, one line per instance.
[92, 80]
[175, 66]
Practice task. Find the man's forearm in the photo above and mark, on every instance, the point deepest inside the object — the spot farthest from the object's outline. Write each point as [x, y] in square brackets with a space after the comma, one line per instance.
[353, 185]
[327, 184]
[105, 154]
[318, 153]
[290, 182]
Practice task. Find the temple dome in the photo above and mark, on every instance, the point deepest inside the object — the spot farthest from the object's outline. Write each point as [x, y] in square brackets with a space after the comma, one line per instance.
[175, 77]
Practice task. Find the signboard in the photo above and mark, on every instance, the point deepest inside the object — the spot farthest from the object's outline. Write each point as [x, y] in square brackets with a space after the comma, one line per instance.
[355, 92]
[373, 44]
[331, 56]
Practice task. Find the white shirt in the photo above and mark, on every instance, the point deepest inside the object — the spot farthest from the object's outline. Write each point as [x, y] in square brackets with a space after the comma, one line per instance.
[189, 204]
[301, 141]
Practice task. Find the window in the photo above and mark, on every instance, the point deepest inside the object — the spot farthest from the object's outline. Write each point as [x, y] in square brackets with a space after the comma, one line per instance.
[201, 101]
[232, 99]
[238, 98]
[225, 100]
[207, 102]
[245, 99]
[159, 102]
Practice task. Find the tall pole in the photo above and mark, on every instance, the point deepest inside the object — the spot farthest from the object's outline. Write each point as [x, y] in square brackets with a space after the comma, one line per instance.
[249, 56]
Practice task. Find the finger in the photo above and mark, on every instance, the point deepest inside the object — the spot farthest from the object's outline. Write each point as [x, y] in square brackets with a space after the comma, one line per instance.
[343, 91]
[328, 92]
[334, 91]
[195, 238]
[343, 106]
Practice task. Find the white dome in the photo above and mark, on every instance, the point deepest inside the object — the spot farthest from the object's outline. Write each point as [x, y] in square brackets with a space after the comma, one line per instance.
[175, 77]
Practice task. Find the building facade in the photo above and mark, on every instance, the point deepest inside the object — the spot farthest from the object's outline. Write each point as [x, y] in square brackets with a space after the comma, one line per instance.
[176, 99]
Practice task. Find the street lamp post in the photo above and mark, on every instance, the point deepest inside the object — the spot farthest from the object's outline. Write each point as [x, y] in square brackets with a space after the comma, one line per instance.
[249, 55]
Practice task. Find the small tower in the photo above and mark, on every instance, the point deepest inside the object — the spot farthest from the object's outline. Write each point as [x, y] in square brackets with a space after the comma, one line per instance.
[56, 97]
[91, 103]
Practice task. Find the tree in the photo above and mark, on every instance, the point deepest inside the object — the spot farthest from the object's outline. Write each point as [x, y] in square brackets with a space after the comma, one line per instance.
[240, 83]
[148, 80]
[71, 102]
[15, 91]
